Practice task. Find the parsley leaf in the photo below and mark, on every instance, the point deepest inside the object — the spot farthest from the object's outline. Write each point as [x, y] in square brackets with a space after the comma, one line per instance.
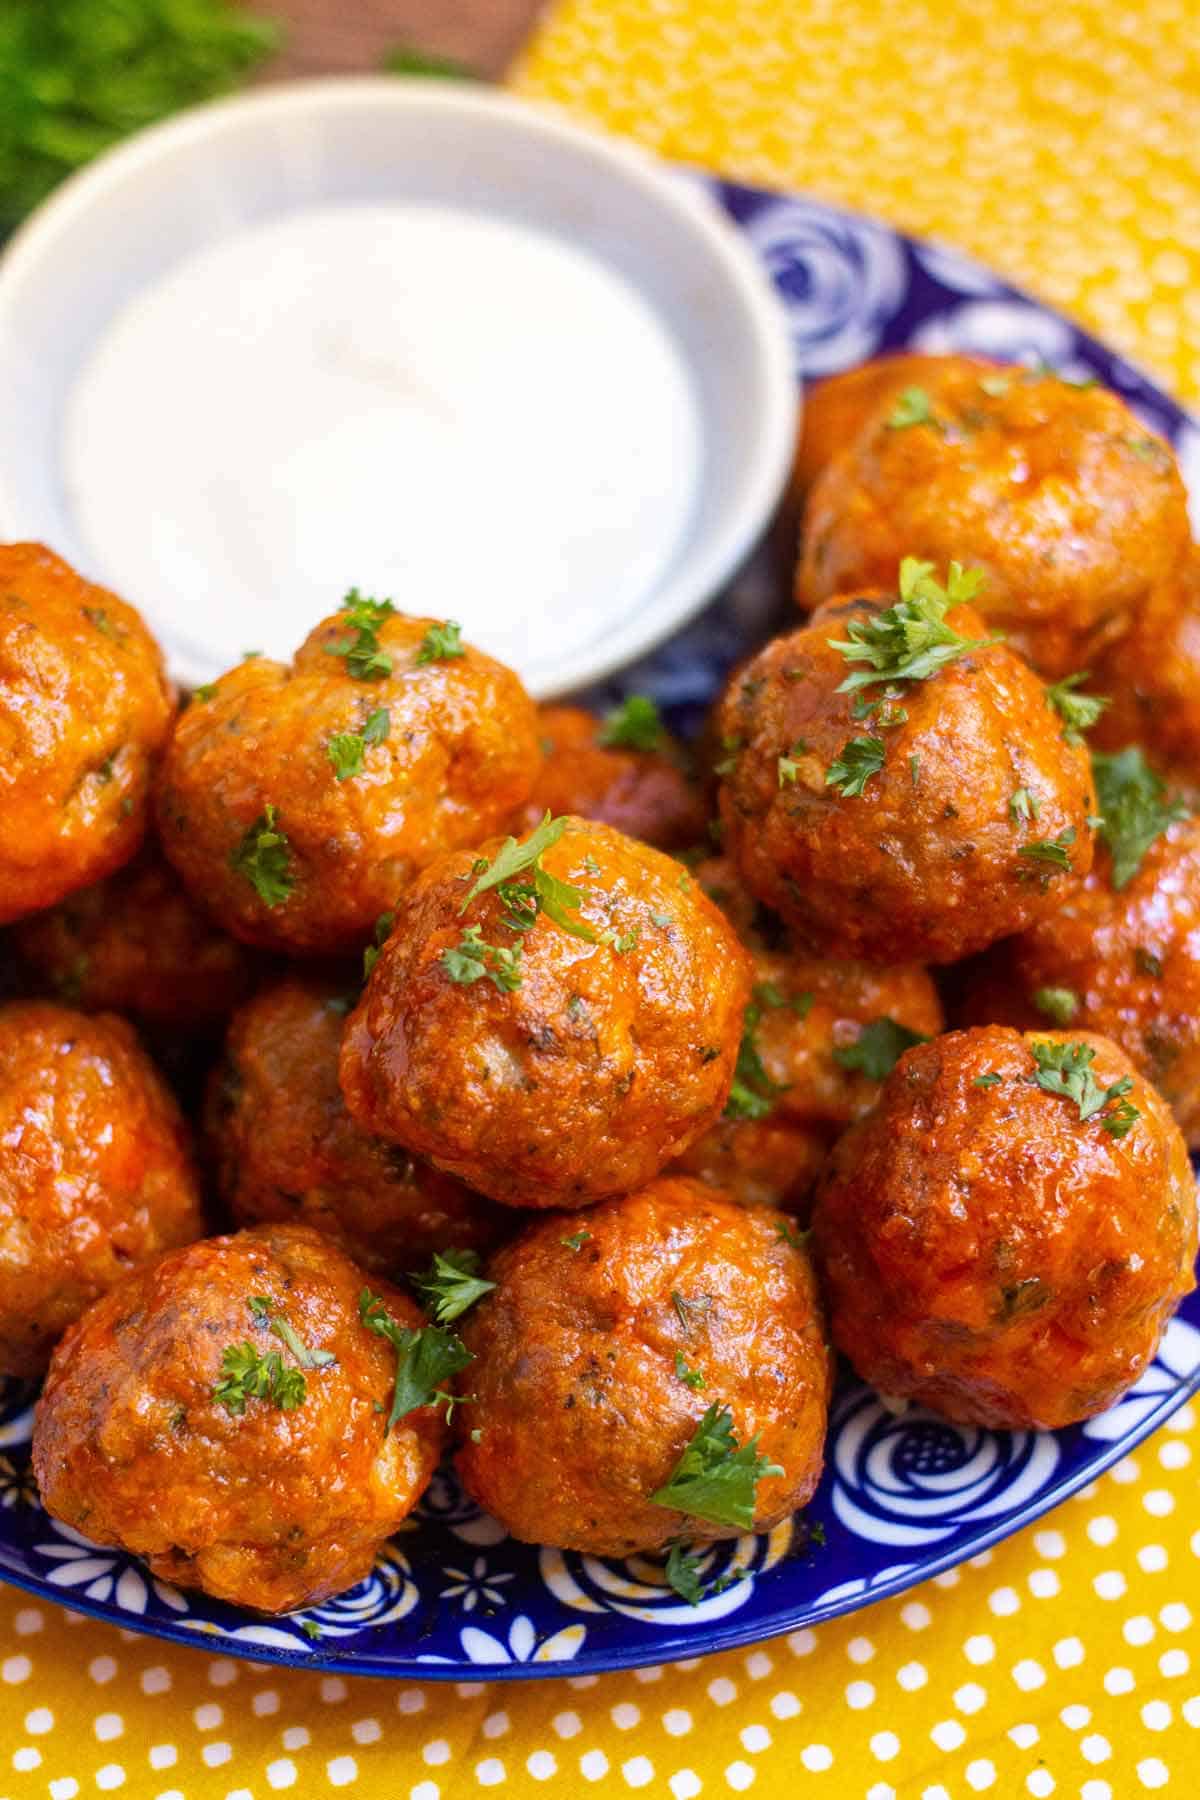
[557, 899]
[471, 959]
[911, 640]
[1066, 1069]
[787, 766]
[856, 762]
[752, 1093]
[576, 1241]
[684, 1308]
[878, 1048]
[264, 858]
[1024, 804]
[683, 1575]
[716, 1479]
[205, 691]
[1051, 850]
[378, 726]
[380, 936]
[345, 751]
[442, 643]
[452, 1284]
[634, 725]
[364, 658]
[1057, 1003]
[423, 1358]
[1078, 712]
[912, 408]
[1135, 809]
[245, 1375]
[693, 1378]
[990, 1080]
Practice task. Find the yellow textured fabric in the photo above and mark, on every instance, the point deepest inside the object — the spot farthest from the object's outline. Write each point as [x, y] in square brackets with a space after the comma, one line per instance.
[1058, 143]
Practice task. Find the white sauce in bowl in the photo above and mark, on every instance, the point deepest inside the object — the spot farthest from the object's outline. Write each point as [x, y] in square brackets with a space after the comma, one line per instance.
[464, 414]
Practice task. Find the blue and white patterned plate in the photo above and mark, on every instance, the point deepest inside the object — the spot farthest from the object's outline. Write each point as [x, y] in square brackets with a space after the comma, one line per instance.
[904, 1495]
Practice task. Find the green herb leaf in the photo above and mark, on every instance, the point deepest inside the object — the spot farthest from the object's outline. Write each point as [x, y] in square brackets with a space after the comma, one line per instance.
[911, 640]
[345, 751]
[752, 1094]
[205, 691]
[1024, 804]
[683, 1575]
[512, 858]
[716, 1479]
[990, 1080]
[857, 761]
[1057, 1003]
[878, 1048]
[787, 766]
[693, 1378]
[1078, 712]
[245, 1375]
[685, 1308]
[264, 858]
[1146, 963]
[576, 1241]
[1066, 1069]
[1052, 851]
[380, 936]
[1135, 809]
[471, 959]
[378, 726]
[364, 658]
[424, 1358]
[634, 725]
[403, 60]
[442, 643]
[912, 408]
[451, 1285]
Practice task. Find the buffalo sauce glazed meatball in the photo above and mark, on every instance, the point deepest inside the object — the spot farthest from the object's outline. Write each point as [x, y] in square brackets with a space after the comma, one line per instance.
[915, 817]
[1152, 678]
[624, 770]
[138, 943]
[285, 1148]
[1071, 507]
[553, 1021]
[298, 801]
[609, 1358]
[225, 1414]
[1121, 955]
[95, 1171]
[1004, 1237]
[85, 707]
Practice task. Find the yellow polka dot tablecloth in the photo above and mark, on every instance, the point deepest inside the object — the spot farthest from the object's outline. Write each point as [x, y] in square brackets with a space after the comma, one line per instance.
[1058, 144]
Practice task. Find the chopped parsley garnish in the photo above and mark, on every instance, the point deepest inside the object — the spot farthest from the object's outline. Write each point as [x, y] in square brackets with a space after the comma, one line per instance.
[311, 1629]
[379, 937]
[1078, 712]
[1024, 804]
[1146, 963]
[788, 765]
[345, 751]
[912, 408]
[471, 959]
[683, 1575]
[716, 1478]
[1057, 1003]
[693, 1378]
[266, 1313]
[442, 643]
[557, 899]
[634, 725]
[728, 763]
[364, 658]
[1066, 1069]
[662, 920]
[914, 770]
[990, 1080]
[622, 944]
[245, 1375]
[878, 1048]
[857, 760]
[264, 858]
[205, 691]
[1052, 851]
[576, 1241]
[451, 1285]
[796, 1240]
[424, 1358]
[752, 1094]
[685, 1308]
[96, 615]
[911, 640]
[1135, 809]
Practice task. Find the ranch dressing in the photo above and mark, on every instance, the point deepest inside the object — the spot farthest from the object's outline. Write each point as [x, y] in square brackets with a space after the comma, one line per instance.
[463, 413]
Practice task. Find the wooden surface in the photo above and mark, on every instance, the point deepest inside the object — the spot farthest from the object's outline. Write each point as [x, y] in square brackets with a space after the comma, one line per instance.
[339, 36]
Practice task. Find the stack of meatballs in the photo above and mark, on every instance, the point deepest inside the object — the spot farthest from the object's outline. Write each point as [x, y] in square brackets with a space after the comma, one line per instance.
[571, 1097]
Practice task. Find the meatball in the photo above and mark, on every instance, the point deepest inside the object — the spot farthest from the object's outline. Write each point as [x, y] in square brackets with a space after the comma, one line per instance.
[625, 771]
[1123, 960]
[672, 1318]
[224, 1414]
[1152, 678]
[758, 1161]
[95, 1171]
[910, 821]
[85, 707]
[298, 802]
[1004, 1237]
[285, 1148]
[836, 409]
[551, 1022]
[1071, 507]
[138, 943]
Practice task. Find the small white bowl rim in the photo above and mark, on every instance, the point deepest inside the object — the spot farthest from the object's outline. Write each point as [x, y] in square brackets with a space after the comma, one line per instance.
[700, 577]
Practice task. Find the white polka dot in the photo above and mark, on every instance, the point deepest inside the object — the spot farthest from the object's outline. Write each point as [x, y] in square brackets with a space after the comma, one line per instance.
[1191, 1710]
[1156, 1715]
[490, 1772]
[980, 1775]
[156, 1680]
[296, 1737]
[685, 1784]
[26, 1759]
[912, 1676]
[1126, 1470]
[758, 1665]
[785, 1704]
[625, 1716]
[222, 1671]
[341, 1771]
[948, 1734]
[739, 1775]
[1075, 1717]
[677, 1722]
[410, 1700]
[26, 1622]
[15, 1669]
[1043, 1584]
[885, 1745]
[281, 1773]
[112, 1775]
[593, 1765]
[1024, 1736]
[466, 1690]
[860, 1650]
[163, 1756]
[755, 1738]
[1029, 1675]
[881, 1790]
[936, 1792]
[436, 1751]
[1102, 1530]
[1050, 1543]
[1095, 1749]
[425, 1790]
[982, 1560]
[948, 1578]
[1068, 1653]
[495, 1725]
[332, 1689]
[366, 1731]
[1174, 1455]
[1138, 1630]
[265, 1703]
[216, 1754]
[858, 1695]
[648, 1675]
[1004, 1601]
[1175, 1616]
[1118, 1681]
[970, 1697]
[916, 1616]
[541, 1765]
[1171, 1662]
[584, 1681]
[800, 1643]
[1040, 1782]
[208, 1716]
[1152, 1559]
[65, 1787]
[979, 1650]
[108, 1726]
[817, 1757]
[1096, 1790]
[722, 1691]
[567, 1724]
[638, 1771]
[1158, 1502]
[1152, 1773]
[1109, 1585]
[39, 1720]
